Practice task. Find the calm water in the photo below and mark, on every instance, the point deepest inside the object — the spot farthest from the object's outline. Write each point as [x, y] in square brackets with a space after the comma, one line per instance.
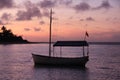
[16, 63]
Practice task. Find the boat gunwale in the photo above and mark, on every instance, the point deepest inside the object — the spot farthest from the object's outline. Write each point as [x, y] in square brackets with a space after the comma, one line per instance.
[59, 57]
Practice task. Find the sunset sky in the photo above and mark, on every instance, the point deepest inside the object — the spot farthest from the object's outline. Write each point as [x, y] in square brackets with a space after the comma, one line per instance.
[71, 19]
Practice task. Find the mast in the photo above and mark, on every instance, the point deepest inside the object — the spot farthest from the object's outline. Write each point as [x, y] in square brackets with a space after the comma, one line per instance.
[50, 33]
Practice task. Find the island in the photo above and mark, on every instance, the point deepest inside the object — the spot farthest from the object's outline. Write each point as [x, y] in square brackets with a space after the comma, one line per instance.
[7, 37]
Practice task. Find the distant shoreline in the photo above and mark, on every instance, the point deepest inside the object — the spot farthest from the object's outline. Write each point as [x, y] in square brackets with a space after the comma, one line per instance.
[97, 43]
[105, 43]
[91, 43]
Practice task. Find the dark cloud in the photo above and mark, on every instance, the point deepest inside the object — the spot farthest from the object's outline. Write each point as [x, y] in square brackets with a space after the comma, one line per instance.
[42, 22]
[90, 19]
[6, 3]
[30, 12]
[65, 2]
[82, 7]
[54, 3]
[47, 3]
[36, 29]
[105, 5]
[6, 16]
[68, 2]
[22, 15]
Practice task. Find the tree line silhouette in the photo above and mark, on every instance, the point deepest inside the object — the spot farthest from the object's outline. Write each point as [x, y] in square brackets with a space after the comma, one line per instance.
[7, 36]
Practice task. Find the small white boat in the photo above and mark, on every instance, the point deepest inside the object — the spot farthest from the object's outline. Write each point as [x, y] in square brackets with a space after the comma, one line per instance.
[62, 61]
[59, 61]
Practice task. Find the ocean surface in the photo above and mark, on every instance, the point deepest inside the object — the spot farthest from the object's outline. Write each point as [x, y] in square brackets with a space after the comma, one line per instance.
[16, 63]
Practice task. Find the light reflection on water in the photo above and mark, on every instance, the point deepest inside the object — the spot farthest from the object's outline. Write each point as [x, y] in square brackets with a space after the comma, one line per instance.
[16, 63]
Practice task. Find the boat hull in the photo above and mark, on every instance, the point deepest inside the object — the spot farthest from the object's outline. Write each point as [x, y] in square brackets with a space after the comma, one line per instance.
[59, 61]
